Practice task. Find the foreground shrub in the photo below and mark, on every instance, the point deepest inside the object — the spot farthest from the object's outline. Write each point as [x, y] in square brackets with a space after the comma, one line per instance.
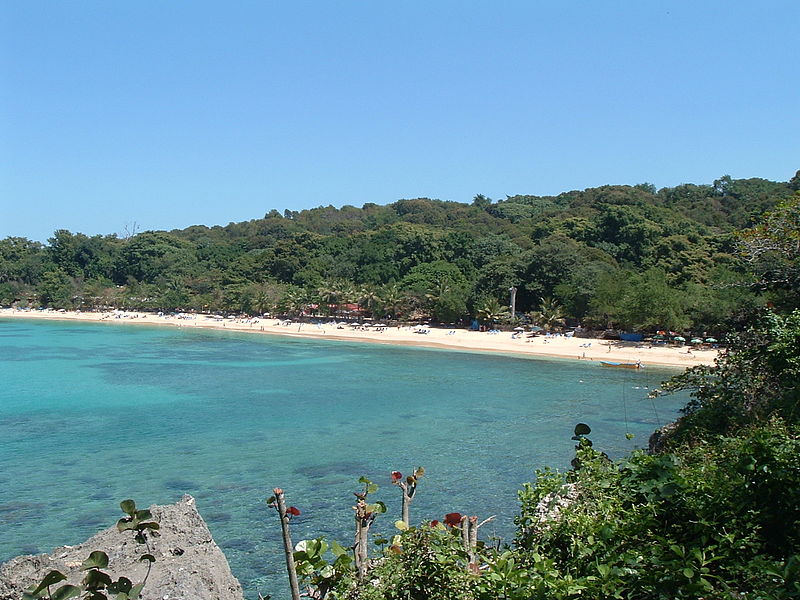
[717, 520]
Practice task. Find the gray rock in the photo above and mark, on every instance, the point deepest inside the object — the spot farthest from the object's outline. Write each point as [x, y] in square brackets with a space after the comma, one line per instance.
[661, 436]
[548, 509]
[189, 564]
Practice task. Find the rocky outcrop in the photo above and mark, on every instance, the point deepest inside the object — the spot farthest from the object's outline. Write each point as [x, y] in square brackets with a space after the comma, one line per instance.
[189, 564]
[548, 510]
[660, 437]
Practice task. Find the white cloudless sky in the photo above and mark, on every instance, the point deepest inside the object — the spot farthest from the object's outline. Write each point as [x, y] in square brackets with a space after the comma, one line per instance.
[169, 114]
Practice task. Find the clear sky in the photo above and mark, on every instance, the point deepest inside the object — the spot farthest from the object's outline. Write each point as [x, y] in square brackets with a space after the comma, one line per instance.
[169, 114]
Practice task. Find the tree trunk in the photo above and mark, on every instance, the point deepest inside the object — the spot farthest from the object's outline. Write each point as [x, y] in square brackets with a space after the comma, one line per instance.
[288, 547]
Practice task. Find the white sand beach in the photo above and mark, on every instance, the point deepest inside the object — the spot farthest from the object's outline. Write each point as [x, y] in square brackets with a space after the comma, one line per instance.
[455, 339]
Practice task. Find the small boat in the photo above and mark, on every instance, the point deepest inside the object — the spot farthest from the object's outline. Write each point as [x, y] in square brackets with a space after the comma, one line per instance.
[619, 365]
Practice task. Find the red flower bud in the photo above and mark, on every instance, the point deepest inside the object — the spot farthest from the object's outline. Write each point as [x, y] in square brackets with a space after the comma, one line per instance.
[292, 511]
[434, 523]
[396, 476]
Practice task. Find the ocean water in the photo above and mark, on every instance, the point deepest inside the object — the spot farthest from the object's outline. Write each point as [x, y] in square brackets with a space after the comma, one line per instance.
[93, 413]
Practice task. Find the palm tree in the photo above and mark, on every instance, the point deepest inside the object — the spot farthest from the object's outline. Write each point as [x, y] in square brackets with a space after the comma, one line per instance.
[492, 311]
[328, 294]
[549, 316]
[392, 300]
[441, 286]
[294, 301]
[368, 298]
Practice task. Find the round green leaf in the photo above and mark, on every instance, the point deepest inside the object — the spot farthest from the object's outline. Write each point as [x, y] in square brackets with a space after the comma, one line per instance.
[96, 560]
[582, 429]
[128, 507]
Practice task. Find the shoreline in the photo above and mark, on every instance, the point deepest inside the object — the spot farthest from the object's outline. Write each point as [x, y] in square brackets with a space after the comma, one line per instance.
[582, 349]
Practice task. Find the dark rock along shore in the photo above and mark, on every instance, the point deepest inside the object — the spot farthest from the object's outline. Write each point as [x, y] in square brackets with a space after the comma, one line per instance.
[189, 564]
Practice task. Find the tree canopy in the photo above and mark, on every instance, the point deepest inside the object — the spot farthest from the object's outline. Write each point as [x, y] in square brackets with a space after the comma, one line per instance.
[631, 257]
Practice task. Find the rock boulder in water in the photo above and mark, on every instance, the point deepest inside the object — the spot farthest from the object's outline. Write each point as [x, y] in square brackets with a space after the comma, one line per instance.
[189, 564]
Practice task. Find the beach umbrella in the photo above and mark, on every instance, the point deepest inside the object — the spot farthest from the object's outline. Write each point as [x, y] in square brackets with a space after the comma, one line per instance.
[536, 328]
[679, 338]
[696, 341]
[519, 329]
[711, 340]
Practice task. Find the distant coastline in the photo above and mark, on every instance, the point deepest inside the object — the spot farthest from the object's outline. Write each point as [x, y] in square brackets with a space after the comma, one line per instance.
[589, 350]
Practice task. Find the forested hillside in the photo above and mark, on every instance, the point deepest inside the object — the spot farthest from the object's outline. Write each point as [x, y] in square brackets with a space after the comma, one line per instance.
[631, 257]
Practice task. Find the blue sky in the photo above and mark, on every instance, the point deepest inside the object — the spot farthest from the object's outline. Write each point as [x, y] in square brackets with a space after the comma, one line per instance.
[169, 114]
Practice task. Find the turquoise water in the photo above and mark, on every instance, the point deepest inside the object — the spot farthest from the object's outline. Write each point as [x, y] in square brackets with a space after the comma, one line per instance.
[91, 414]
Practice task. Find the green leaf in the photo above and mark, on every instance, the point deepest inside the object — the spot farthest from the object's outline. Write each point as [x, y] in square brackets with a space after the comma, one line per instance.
[688, 573]
[419, 472]
[96, 579]
[51, 578]
[372, 488]
[147, 557]
[315, 548]
[128, 507]
[378, 507]
[125, 524]
[363, 479]
[669, 490]
[136, 591]
[582, 429]
[327, 572]
[401, 525]
[143, 515]
[337, 549]
[96, 560]
[122, 585]
[66, 591]
[344, 560]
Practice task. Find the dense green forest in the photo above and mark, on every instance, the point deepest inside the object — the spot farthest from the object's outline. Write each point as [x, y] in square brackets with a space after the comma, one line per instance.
[629, 257]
